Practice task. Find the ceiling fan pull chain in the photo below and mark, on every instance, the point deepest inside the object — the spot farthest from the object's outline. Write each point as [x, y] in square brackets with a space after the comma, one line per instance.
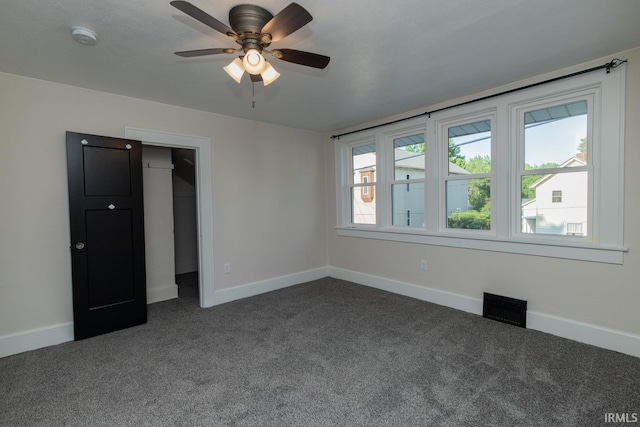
[253, 92]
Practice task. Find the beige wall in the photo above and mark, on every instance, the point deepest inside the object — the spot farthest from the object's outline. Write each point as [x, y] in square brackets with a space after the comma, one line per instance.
[603, 295]
[185, 225]
[268, 192]
[158, 223]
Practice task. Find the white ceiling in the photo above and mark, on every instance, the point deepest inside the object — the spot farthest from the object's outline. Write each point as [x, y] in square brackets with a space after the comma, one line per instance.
[387, 57]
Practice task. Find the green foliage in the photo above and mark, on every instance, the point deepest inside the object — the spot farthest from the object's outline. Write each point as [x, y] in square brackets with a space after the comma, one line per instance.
[479, 193]
[527, 191]
[551, 165]
[582, 147]
[454, 152]
[416, 148]
[454, 155]
[472, 219]
[478, 164]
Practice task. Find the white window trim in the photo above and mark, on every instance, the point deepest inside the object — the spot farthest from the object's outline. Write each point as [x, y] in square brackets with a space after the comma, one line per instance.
[344, 175]
[605, 156]
[591, 93]
[399, 131]
[441, 140]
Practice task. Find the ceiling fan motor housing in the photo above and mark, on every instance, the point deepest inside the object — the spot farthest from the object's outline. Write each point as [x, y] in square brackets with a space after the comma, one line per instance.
[254, 27]
[247, 21]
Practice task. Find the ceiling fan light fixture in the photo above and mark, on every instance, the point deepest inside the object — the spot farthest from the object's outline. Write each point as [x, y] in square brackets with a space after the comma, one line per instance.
[254, 62]
[235, 69]
[269, 75]
[254, 29]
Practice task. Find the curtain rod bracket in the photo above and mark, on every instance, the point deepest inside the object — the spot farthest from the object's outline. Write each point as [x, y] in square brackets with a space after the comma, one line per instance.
[615, 63]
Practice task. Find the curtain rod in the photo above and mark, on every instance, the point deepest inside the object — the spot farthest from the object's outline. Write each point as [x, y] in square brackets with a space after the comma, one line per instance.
[614, 63]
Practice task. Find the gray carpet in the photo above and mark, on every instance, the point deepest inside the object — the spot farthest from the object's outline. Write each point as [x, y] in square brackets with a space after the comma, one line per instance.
[324, 353]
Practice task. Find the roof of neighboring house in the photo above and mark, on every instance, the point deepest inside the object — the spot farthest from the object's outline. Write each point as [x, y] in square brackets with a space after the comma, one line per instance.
[457, 170]
[411, 160]
[408, 159]
[577, 160]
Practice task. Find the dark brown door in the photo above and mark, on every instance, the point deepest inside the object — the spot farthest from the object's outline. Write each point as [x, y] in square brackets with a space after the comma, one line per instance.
[107, 233]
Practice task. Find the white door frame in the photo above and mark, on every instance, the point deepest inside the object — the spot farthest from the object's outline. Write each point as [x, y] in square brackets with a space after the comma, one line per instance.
[204, 198]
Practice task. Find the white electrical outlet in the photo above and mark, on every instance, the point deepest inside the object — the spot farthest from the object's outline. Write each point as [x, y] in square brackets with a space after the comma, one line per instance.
[423, 265]
[227, 268]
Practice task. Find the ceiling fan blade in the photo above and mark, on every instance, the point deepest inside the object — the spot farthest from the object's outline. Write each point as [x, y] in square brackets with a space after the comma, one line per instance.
[290, 19]
[204, 52]
[301, 57]
[202, 16]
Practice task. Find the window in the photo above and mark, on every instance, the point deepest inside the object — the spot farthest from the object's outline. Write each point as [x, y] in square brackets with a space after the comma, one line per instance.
[467, 177]
[554, 141]
[407, 185]
[537, 171]
[363, 169]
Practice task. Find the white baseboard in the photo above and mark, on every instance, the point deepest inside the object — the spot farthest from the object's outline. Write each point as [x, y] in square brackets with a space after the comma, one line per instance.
[448, 299]
[250, 289]
[162, 294]
[57, 334]
[610, 339]
[578, 331]
[35, 338]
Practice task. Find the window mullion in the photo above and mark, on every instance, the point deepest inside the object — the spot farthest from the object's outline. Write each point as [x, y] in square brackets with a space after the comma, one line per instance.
[432, 180]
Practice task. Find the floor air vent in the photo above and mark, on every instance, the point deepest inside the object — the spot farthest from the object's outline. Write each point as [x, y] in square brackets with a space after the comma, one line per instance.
[504, 309]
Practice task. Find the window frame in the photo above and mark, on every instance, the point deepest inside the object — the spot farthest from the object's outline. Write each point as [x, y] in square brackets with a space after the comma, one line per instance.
[442, 137]
[605, 162]
[591, 94]
[388, 176]
[346, 197]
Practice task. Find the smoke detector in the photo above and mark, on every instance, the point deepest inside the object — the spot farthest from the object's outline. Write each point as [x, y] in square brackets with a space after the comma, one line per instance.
[84, 36]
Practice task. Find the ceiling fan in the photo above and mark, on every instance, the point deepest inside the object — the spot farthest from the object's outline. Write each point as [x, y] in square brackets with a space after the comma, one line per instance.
[254, 29]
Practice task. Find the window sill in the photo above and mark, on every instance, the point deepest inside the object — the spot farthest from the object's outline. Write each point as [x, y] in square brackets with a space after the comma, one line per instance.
[570, 250]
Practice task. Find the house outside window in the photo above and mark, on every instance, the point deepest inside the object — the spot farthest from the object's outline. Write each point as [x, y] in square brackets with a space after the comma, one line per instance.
[556, 196]
[367, 176]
